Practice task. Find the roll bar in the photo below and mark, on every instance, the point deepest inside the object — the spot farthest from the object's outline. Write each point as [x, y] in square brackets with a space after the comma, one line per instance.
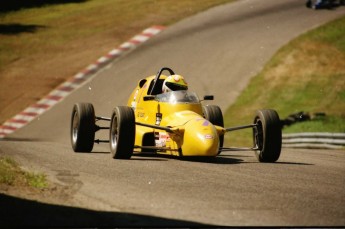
[157, 77]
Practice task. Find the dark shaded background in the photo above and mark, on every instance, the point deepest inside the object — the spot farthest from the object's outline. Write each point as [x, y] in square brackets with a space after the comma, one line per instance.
[13, 5]
[18, 212]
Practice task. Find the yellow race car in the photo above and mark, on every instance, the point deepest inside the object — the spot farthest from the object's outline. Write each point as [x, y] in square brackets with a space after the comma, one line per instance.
[170, 123]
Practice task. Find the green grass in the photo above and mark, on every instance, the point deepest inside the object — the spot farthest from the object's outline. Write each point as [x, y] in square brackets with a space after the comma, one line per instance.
[327, 124]
[8, 171]
[36, 180]
[11, 174]
[307, 74]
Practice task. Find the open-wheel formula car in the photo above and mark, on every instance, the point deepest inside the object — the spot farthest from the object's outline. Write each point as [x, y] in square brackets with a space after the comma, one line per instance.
[172, 123]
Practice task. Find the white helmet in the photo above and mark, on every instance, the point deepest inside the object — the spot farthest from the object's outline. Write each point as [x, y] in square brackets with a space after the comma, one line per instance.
[174, 83]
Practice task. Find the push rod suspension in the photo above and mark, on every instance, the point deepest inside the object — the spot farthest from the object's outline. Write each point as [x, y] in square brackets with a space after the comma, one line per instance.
[167, 129]
[153, 147]
[240, 127]
[238, 149]
[101, 141]
[103, 118]
[97, 128]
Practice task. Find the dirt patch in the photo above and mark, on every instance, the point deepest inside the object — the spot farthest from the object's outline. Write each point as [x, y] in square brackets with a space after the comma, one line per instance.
[41, 47]
[27, 80]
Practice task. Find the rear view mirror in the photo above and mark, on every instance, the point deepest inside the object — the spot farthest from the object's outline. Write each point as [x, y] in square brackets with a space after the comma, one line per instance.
[208, 97]
[149, 97]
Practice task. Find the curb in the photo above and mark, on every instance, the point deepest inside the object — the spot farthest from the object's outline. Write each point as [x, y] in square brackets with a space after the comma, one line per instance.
[66, 88]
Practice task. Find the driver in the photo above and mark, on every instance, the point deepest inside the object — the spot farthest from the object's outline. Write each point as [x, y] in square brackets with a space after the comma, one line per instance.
[174, 83]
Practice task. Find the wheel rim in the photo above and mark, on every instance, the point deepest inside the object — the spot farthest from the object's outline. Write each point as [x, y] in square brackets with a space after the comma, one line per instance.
[258, 135]
[75, 126]
[114, 134]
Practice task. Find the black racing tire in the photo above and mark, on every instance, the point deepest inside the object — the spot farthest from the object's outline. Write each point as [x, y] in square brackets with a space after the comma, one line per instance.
[122, 133]
[214, 114]
[267, 135]
[83, 127]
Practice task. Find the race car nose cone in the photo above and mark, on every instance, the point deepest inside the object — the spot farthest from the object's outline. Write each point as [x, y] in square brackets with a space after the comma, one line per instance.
[200, 138]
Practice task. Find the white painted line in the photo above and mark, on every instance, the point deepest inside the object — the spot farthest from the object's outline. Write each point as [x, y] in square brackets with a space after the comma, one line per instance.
[69, 84]
[103, 59]
[24, 117]
[47, 102]
[38, 111]
[153, 30]
[141, 38]
[127, 45]
[92, 67]
[15, 125]
[115, 52]
[5, 132]
[59, 93]
[79, 75]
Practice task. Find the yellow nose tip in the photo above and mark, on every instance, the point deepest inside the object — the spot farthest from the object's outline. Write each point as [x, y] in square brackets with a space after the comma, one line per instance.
[200, 139]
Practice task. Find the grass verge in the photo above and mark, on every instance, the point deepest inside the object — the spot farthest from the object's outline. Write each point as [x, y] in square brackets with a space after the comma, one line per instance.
[11, 174]
[306, 75]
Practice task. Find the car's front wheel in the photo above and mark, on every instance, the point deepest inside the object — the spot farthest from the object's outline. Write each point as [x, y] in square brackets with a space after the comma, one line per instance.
[214, 114]
[122, 133]
[267, 135]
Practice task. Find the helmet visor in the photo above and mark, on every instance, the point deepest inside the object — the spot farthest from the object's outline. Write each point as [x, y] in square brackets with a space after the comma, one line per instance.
[176, 87]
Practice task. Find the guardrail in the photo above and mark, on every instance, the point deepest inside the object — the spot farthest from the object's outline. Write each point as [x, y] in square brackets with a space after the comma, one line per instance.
[314, 140]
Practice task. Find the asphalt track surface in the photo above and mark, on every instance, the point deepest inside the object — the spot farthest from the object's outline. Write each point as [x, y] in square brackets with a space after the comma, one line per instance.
[217, 51]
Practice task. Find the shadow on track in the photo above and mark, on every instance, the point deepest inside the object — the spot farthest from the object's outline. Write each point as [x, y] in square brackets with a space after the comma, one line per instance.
[162, 157]
[213, 160]
[292, 163]
[94, 152]
[14, 5]
[17, 212]
[15, 28]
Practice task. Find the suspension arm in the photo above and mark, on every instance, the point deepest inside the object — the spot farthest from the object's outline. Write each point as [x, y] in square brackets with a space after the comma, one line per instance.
[102, 118]
[240, 127]
[167, 129]
[237, 149]
[101, 141]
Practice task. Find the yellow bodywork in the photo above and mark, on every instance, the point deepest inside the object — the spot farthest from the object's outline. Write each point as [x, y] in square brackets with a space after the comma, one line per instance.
[190, 135]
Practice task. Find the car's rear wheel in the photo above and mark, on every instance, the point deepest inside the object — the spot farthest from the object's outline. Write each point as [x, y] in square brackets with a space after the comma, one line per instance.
[214, 114]
[122, 133]
[267, 135]
[83, 127]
